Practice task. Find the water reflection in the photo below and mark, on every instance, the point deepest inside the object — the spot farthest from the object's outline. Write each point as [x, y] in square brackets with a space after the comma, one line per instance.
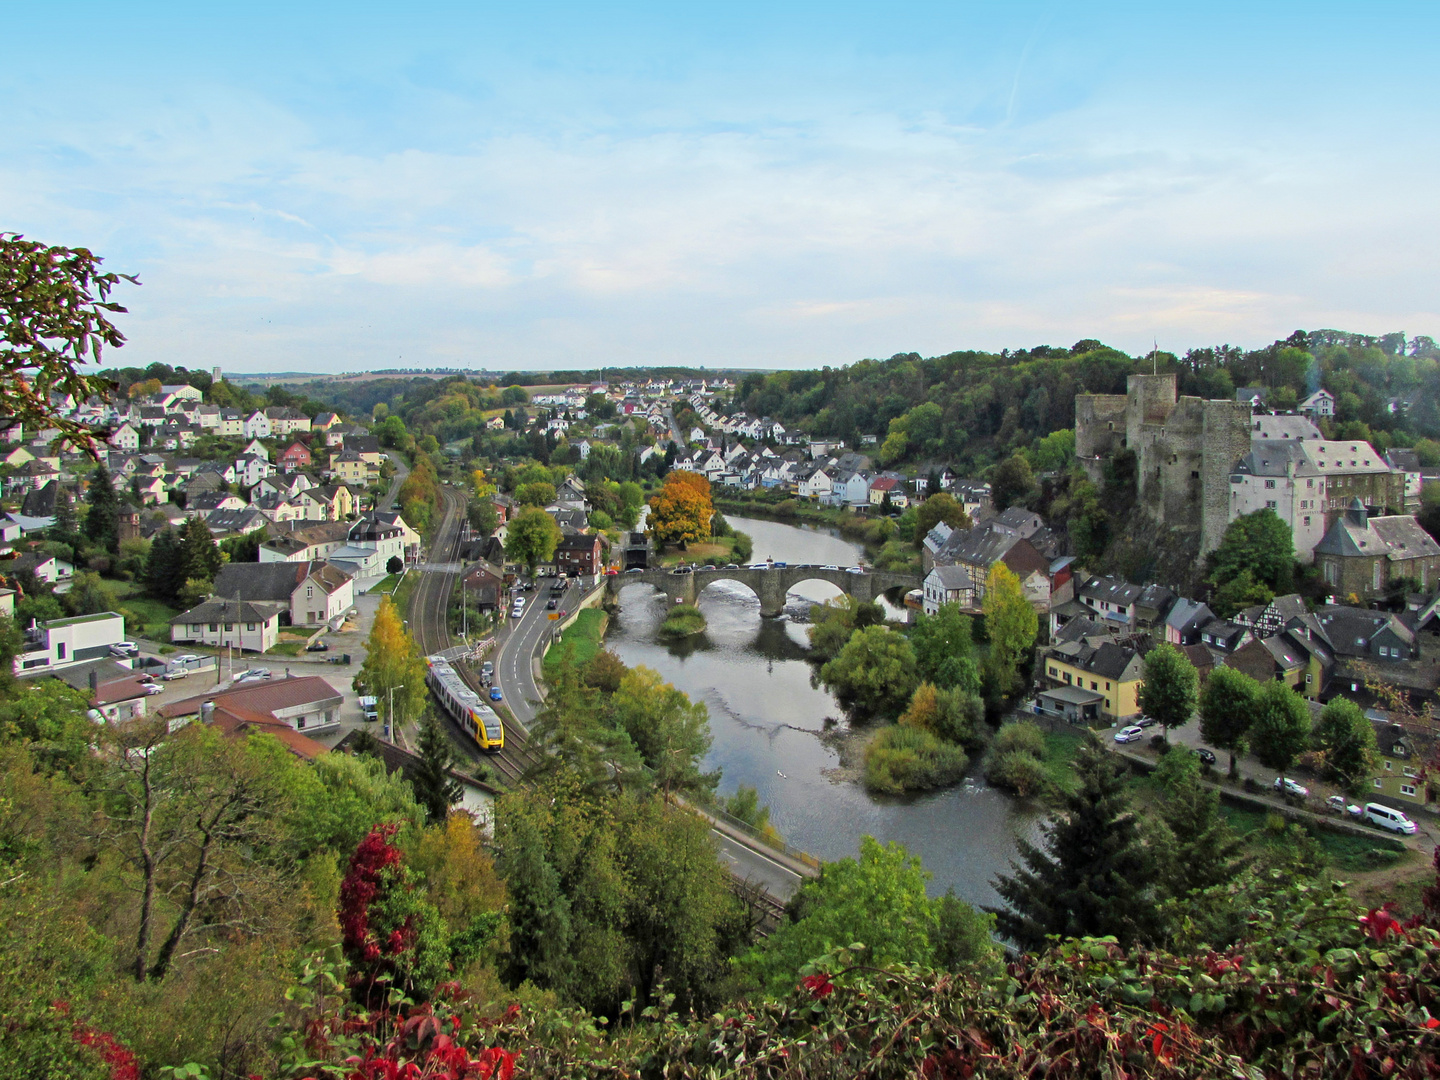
[767, 719]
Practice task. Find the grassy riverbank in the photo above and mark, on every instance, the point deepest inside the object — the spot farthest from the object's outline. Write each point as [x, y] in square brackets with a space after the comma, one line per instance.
[582, 639]
[778, 506]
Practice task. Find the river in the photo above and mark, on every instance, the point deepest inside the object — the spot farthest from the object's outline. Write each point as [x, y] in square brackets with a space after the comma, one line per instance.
[766, 719]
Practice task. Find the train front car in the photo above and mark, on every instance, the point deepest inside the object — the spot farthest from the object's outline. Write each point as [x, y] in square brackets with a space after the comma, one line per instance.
[464, 706]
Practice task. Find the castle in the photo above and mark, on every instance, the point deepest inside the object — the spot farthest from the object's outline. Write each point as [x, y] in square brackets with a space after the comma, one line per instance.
[1185, 450]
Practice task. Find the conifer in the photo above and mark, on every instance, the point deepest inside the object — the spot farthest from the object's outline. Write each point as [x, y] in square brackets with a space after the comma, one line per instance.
[1094, 878]
[435, 789]
[102, 522]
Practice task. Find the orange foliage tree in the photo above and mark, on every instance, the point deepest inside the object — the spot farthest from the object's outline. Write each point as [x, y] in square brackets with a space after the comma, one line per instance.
[680, 514]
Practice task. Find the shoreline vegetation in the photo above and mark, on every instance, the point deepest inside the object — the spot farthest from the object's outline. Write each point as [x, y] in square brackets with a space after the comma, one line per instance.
[682, 621]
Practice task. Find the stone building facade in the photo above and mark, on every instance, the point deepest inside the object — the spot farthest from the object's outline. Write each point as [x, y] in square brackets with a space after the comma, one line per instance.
[1185, 449]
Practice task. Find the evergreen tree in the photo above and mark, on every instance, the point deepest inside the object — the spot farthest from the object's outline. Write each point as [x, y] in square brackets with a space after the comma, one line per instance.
[435, 789]
[102, 522]
[199, 554]
[64, 530]
[1094, 878]
[1204, 849]
[164, 566]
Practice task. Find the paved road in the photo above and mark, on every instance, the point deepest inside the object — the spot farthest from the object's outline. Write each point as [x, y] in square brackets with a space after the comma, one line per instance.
[401, 472]
[515, 673]
[675, 431]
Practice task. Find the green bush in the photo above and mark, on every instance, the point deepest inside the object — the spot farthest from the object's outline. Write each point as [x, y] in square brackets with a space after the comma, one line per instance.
[683, 620]
[903, 758]
[1021, 735]
[1017, 770]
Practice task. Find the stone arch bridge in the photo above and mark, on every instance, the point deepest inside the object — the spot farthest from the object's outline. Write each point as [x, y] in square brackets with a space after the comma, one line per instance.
[771, 584]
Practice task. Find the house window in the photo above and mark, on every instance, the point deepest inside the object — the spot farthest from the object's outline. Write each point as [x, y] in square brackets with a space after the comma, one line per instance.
[1307, 521]
[1054, 672]
[1407, 789]
[1107, 686]
[1067, 677]
[60, 650]
[1377, 782]
[214, 627]
[250, 626]
[229, 626]
[1389, 766]
[1094, 685]
[1269, 485]
[1408, 771]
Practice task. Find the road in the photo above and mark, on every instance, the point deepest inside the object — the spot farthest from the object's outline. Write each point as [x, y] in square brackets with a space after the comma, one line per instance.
[515, 671]
[680, 438]
[401, 472]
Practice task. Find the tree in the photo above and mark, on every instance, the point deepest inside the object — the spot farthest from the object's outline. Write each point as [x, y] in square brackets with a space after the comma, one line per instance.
[1012, 482]
[200, 558]
[483, 517]
[164, 566]
[878, 899]
[435, 788]
[394, 564]
[540, 493]
[1202, 849]
[1280, 731]
[1345, 741]
[944, 649]
[392, 663]
[65, 528]
[532, 537]
[194, 813]
[102, 520]
[680, 512]
[939, 507]
[1227, 709]
[89, 594]
[874, 674]
[1258, 543]
[1094, 877]
[671, 732]
[1011, 624]
[1170, 689]
[55, 310]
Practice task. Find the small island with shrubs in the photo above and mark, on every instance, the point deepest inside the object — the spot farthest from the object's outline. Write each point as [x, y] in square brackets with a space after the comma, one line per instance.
[683, 620]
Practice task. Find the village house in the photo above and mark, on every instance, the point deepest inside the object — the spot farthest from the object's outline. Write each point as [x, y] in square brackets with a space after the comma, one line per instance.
[1363, 556]
[312, 593]
[223, 623]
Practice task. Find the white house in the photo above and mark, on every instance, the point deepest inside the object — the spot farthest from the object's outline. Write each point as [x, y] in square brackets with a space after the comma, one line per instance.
[313, 592]
[225, 623]
[1320, 403]
[125, 437]
[62, 642]
[257, 425]
[948, 585]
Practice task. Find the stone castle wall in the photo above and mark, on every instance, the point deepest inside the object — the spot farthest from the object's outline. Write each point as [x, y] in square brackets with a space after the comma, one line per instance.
[1184, 450]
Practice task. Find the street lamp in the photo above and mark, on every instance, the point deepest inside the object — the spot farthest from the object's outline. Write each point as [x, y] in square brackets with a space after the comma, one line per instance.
[390, 713]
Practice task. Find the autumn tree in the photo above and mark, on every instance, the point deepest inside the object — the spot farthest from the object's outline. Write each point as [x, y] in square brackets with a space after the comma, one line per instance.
[1011, 625]
[532, 537]
[539, 493]
[680, 513]
[392, 663]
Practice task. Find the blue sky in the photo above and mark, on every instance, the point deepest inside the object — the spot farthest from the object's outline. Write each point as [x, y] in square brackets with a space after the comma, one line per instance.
[338, 187]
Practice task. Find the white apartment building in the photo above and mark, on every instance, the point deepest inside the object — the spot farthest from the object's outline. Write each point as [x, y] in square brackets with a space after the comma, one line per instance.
[62, 642]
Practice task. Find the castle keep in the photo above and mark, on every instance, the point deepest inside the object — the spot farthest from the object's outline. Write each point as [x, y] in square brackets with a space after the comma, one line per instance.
[1185, 449]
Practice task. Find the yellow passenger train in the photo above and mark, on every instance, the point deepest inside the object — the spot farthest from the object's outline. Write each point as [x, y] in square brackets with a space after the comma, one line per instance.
[475, 718]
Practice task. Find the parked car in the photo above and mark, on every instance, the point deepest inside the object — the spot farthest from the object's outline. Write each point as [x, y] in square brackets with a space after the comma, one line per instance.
[758, 566]
[1389, 818]
[1286, 786]
[1145, 721]
[1340, 806]
[495, 694]
[125, 648]
[175, 673]
[1207, 757]
[317, 646]
[186, 658]
[370, 708]
[1129, 734]
[683, 570]
[854, 569]
[487, 668]
[611, 571]
[732, 566]
[829, 567]
[780, 565]
[636, 570]
[152, 689]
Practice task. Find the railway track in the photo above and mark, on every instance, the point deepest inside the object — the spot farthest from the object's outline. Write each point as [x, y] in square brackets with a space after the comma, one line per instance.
[429, 625]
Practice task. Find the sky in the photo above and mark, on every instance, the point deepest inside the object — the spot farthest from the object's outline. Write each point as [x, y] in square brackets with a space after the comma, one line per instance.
[326, 187]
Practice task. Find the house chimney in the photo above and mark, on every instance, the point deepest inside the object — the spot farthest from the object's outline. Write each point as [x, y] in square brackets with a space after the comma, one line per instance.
[94, 682]
[207, 712]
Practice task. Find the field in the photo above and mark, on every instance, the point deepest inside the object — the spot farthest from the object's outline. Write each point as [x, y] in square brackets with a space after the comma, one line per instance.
[144, 617]
[583, 637]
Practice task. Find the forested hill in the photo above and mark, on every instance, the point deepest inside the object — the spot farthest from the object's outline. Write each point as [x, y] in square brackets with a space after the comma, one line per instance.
[974, 408]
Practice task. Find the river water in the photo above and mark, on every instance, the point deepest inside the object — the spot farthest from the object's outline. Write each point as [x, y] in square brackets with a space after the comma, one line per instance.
[766, 719]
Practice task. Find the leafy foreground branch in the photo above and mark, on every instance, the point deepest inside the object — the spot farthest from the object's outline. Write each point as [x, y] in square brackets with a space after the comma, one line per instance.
[1315, 989]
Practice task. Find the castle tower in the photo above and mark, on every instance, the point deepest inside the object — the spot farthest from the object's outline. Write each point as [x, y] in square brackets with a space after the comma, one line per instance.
[215, 375]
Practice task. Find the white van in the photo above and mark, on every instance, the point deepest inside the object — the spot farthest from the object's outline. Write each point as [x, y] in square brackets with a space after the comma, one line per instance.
[1390, 819]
